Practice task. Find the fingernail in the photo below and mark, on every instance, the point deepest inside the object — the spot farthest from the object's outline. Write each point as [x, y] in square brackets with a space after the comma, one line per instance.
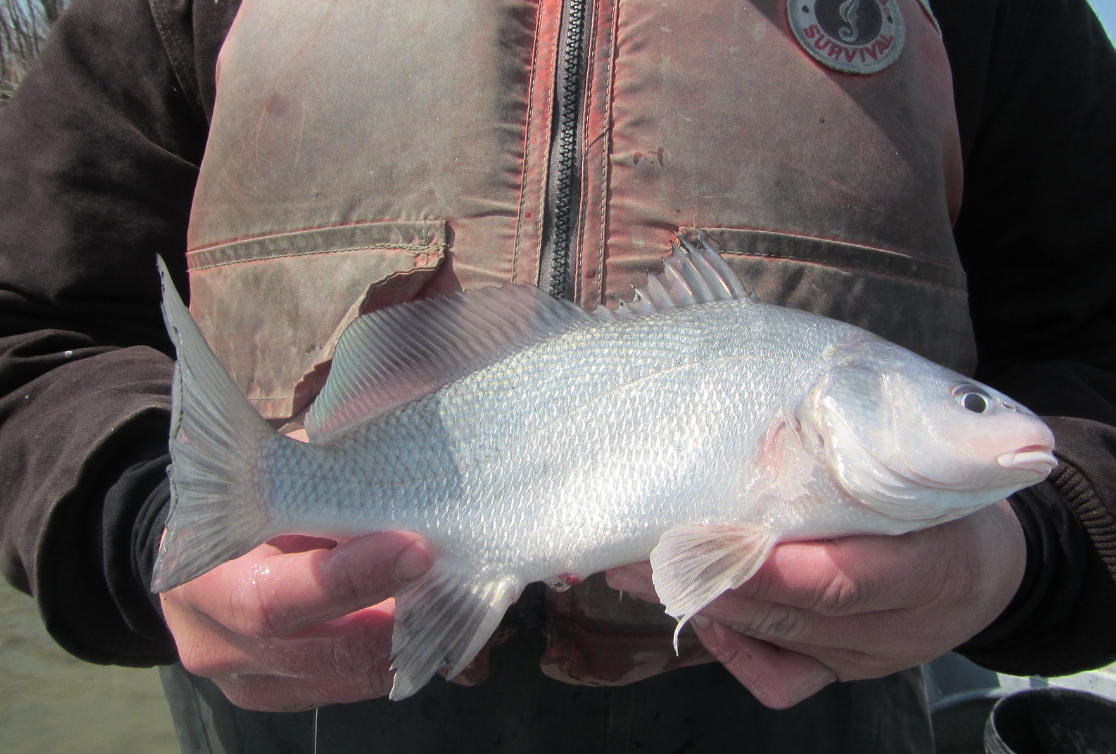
[413, 562]
[717, 638]
[701, 621]
[629, 580]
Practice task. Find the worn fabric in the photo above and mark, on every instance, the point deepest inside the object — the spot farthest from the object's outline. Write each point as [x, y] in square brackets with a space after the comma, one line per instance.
[826, 192]
[830, 193]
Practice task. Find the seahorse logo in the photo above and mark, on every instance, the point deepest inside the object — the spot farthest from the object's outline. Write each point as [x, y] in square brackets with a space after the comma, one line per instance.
[851, 36]
[848, 11]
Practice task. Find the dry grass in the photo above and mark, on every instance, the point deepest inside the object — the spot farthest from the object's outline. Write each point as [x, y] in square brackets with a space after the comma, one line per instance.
[24, 25]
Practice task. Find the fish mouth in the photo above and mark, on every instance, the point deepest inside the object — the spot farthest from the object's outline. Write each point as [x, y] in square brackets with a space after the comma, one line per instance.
[1037, 458]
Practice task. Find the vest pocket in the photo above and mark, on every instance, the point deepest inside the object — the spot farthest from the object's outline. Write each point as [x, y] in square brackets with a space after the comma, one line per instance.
[921, 304]
[272, 307]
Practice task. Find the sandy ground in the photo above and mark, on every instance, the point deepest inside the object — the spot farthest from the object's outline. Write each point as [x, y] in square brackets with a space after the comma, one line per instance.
[52, 703]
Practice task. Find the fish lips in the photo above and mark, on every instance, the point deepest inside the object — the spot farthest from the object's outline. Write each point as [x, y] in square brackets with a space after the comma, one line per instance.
[1035, 458]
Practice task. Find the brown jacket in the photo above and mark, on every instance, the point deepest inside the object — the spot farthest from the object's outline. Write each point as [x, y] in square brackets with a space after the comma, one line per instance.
[99, 155]
[362, 154]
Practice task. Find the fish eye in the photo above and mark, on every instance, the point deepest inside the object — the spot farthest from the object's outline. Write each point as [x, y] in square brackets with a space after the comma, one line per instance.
[972, 398]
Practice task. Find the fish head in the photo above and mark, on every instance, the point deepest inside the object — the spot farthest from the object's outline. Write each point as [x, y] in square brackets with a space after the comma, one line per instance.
[919, 442]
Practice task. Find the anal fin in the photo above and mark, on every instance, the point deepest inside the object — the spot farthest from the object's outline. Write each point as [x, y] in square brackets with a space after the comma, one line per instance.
[444, 621]
[693, 565]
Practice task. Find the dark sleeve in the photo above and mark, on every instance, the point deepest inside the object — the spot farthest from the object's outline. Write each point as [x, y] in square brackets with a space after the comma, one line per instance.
[98, 160]
[1035, 84]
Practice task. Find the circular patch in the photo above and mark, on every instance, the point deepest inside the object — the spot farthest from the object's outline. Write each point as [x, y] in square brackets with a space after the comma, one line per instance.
[852, 36]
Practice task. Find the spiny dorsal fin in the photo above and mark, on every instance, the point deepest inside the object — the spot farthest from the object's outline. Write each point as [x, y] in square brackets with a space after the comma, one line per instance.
[691, 275]
[393, 356]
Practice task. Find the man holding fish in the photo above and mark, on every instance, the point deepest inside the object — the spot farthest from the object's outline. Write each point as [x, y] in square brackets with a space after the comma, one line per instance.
[741, 453]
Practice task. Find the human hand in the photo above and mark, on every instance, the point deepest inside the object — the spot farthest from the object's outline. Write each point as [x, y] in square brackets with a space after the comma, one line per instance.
[298, 622]
[857, 607]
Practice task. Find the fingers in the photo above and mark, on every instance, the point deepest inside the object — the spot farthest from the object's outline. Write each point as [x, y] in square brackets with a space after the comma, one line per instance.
[633, 579]
[347, 659]
[270, 592]
[779, 678]
[271, 694]
[358, 644]
[869, 642]
[867, 574]
[947, 563]
[297, 622]
[859, 607]
[852, 575]
[782, 624]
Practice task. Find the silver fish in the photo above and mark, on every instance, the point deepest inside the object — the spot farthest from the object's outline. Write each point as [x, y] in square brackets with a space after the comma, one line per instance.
[530, 440]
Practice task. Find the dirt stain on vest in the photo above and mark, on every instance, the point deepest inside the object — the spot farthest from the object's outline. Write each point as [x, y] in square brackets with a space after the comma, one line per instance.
[658, 154]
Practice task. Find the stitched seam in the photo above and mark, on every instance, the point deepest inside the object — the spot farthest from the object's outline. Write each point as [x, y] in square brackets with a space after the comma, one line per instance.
[411, 225]
[810, 237]
[527, 142]
[414, 249]
[582, 204]
[878, 268]
[549, 135]
[805, 258]
[930, 12]
[860, 267]
[177, 47]
[606, 152]
[834, 266]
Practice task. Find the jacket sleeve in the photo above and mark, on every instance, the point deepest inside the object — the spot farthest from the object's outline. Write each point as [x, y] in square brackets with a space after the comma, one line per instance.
[98, 159]
[1035, 84]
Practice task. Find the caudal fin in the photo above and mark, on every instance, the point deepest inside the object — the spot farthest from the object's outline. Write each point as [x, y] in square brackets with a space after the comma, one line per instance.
[216, 512]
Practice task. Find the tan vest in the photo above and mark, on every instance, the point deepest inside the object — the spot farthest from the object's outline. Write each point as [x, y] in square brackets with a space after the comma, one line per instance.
[366, 152]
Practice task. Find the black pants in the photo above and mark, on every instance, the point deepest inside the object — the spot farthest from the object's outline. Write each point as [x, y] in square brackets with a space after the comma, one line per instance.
[519, 710]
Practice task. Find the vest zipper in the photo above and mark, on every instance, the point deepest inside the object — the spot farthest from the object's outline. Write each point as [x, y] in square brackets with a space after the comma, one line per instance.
[564, 183]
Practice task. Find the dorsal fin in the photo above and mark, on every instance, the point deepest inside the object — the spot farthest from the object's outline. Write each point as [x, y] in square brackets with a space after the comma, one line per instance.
[397, 355]
[691, 275]
[393, 356]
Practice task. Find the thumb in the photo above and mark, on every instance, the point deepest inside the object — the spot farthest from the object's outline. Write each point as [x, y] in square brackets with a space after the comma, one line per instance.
[268, 592]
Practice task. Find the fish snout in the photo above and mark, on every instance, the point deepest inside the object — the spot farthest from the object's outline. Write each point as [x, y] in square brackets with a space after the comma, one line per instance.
[1036, 447]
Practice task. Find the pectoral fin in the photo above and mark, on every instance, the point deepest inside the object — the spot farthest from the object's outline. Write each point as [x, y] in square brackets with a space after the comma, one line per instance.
[692, 565]
[444, 621]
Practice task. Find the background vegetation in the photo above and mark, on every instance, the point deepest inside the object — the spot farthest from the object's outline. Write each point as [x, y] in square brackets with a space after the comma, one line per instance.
[24, 25]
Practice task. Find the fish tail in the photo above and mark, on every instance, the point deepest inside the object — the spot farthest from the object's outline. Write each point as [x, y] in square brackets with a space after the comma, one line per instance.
[217, 511]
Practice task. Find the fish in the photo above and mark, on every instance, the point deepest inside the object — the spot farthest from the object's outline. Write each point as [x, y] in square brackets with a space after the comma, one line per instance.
[531, 440]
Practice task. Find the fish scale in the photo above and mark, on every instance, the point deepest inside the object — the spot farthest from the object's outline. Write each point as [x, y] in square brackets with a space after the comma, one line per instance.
[529, 440]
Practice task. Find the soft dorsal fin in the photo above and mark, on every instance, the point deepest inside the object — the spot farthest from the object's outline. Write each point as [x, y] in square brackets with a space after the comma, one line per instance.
[393, 356]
